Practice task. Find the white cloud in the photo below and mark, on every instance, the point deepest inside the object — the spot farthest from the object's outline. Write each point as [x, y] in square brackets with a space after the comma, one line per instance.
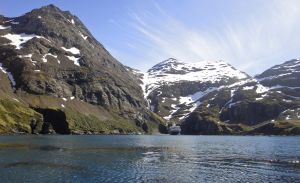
[261, 39]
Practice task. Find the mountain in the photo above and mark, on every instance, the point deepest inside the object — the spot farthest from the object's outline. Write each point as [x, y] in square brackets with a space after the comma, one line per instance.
[215, 98]
[56, 77]
[173, 87]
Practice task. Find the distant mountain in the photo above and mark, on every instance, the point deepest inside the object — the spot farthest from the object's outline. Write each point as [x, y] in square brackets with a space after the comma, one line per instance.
[215, 98]
[174, 88]
[56, 77]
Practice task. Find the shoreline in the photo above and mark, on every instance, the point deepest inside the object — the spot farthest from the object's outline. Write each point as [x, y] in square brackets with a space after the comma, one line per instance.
[213, 135]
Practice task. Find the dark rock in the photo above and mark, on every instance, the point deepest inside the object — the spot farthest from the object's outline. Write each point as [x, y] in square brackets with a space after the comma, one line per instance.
[163, 129]
[197, 123]
[54, 121]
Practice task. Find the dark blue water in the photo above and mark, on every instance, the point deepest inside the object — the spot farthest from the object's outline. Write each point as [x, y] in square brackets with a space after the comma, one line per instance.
[149, 159]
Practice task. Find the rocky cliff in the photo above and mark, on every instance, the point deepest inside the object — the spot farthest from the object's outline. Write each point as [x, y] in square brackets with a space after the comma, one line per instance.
[59, 78]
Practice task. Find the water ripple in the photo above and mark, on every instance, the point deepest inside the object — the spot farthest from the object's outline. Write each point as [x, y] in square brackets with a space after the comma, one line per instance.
[149, 159]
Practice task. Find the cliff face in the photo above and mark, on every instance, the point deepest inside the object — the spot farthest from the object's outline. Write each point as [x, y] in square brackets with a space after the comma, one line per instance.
[52, 61]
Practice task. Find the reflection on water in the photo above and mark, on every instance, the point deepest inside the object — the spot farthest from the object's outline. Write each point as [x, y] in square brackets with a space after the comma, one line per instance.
[41, 164]
[149, 159]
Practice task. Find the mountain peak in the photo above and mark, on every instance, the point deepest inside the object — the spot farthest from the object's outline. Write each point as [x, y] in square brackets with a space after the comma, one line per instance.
[165, 65]
[46, 9]
[213, 68]
[50, 6]
[170, 60]
[51, 22]
[280, 74]
[166, 62]
[51, 11]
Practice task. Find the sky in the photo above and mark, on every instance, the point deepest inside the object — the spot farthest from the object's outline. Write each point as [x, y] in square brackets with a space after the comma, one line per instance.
[252, 35]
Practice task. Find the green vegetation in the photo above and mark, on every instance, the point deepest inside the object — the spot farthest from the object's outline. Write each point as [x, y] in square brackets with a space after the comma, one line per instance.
[88, 123]
[288, 124]
[16, 117]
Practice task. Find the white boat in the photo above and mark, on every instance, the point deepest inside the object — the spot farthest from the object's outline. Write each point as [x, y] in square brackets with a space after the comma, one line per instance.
[174, 130]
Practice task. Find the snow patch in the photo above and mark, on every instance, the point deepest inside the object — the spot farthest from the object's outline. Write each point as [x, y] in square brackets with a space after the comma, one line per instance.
[28, 56]
[71, 21]
[73, 50]
[288, 101]
[2, 69]
[83, 36]
[274, 77]
[262, 97]
[74, 59]
[232, 92]
[233, 104]
[261, 89]
[25, 56]
[196, 96]
[152, 107]
[248, 87]
[49, 54]
[192, 101]
[15, 99]
[175, 109]
[18, 39]
[15, 23]
[4, 27]
[10, 76]
[242, 82]
[281, 86]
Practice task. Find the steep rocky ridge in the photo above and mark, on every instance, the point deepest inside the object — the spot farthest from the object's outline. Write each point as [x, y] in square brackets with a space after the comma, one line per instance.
[49, 56]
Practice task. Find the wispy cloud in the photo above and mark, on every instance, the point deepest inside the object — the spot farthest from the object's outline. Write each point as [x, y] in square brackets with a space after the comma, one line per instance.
[258, 41]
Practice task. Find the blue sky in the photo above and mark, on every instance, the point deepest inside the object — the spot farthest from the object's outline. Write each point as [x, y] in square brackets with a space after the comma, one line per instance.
[251, 35]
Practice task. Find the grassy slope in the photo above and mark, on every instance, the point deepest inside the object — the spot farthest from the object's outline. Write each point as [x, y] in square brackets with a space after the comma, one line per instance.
[15, 117]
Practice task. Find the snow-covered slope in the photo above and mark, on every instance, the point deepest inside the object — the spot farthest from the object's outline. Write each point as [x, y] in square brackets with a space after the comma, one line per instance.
[286, 75]
[173, 71]
[174, 88]
[283, 78]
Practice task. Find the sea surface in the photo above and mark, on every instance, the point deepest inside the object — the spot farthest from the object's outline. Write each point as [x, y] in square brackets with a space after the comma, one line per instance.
[149, 159]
